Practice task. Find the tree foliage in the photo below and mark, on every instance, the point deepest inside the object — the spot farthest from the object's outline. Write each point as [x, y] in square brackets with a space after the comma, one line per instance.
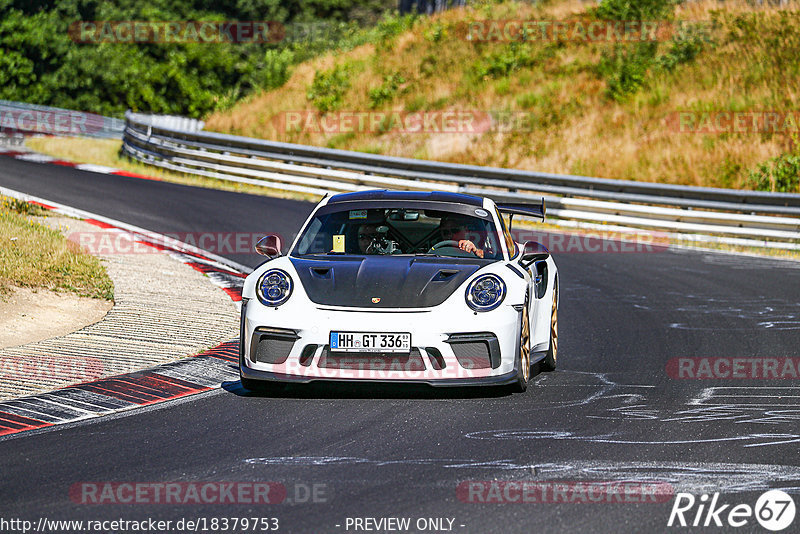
[41, 64]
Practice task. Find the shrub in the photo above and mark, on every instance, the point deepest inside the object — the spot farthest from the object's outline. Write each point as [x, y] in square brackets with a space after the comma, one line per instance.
[277, 64]
[436, 32]
[635, 9]
[625, 69]
[780, 174]
[685, 46]
[386, 91]
[328, 88]
[503, 62]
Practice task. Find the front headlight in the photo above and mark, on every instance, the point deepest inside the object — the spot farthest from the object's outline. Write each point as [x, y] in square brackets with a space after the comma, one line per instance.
[486, 292]
[274, 287]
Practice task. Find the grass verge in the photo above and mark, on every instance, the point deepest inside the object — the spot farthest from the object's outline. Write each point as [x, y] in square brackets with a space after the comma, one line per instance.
[34, 256]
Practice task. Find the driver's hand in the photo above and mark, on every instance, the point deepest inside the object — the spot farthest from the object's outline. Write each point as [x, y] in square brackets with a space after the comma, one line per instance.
[468, 246]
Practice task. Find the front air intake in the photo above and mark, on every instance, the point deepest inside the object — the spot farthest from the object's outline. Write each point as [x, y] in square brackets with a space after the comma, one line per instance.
[476, 351]
[371, 361]
[272, 345]
[472, 354]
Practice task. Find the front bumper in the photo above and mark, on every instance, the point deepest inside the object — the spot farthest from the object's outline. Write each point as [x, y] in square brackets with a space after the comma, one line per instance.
[494, 380]
[448, 349]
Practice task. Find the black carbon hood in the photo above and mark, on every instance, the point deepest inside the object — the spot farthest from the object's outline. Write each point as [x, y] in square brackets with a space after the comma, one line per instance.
[399, 282]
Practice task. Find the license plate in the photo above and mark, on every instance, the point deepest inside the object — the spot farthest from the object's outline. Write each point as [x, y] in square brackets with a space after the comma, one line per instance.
[371, 342]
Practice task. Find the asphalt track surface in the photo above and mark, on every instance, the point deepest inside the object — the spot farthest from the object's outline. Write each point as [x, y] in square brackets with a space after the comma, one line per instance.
[610, 412]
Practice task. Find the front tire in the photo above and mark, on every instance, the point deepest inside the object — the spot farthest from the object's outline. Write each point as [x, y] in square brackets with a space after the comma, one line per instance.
[524, 351]
[549, 362]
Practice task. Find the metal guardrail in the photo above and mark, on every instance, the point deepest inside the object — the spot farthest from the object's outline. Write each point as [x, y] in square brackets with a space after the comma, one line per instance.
[754, 218]
[427, 7]
[20, 118]
[172, 122]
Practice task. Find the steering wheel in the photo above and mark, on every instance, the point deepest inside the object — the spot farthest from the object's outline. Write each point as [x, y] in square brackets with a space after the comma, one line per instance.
[446, 243]
[455, 251]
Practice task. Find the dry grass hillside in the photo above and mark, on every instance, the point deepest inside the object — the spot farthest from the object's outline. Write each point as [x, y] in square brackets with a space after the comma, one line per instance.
[593, 108]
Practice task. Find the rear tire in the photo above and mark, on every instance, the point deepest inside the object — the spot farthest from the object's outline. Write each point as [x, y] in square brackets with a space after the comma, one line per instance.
[524, 361]
[549, 362]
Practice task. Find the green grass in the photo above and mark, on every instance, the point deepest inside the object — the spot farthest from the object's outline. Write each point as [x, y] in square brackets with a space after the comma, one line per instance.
[35, 256]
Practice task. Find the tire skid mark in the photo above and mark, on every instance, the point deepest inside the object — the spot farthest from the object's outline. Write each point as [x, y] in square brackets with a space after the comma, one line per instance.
[777, 406]
[753, 440]
[695, 477]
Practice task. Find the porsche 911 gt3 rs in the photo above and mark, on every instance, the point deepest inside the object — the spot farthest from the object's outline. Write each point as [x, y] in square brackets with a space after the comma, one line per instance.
[389, 286]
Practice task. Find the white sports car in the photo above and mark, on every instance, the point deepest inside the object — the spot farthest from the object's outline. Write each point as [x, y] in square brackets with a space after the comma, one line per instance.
[385, 286]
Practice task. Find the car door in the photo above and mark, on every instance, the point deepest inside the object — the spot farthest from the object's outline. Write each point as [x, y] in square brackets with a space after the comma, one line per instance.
[515, 254]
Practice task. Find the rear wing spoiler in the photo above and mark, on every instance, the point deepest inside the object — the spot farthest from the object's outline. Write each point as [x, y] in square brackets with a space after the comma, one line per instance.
[526, 210]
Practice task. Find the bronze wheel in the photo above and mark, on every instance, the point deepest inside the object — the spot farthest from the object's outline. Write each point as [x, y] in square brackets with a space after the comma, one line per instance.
[525, 344]
[524, 363]
[549, 362]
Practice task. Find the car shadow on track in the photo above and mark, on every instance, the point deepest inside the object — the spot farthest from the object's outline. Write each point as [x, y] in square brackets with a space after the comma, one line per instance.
[369, 390]
[339, 390]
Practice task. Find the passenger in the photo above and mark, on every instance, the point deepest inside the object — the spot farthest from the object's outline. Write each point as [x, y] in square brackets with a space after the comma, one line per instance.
[367, 233]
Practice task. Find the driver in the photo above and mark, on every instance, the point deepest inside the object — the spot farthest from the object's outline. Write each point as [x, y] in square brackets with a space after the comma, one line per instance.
[454, 228]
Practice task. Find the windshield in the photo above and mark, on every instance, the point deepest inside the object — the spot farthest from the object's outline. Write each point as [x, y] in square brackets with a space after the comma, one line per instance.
[400, 231]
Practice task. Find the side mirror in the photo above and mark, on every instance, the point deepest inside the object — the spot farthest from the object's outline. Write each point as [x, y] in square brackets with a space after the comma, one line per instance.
[269, 246]
[533, 251]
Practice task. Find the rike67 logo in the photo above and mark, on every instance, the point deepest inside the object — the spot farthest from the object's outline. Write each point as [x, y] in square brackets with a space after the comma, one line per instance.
[774, 510]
